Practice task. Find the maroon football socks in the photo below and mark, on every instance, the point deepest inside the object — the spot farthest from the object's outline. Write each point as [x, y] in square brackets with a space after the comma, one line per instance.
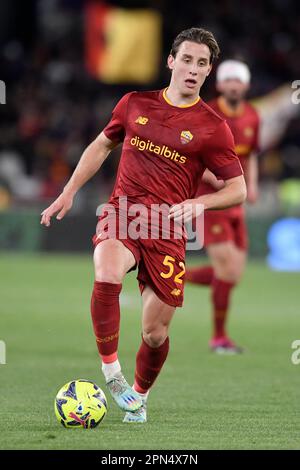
[105, 310]
[221, 291]
[149, 362]
[201, 275]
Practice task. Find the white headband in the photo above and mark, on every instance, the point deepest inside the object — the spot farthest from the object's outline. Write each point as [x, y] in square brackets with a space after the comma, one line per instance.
[233, 69]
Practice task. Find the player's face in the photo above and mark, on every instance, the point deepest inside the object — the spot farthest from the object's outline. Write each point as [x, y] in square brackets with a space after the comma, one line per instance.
[190, 67]
[232, 89]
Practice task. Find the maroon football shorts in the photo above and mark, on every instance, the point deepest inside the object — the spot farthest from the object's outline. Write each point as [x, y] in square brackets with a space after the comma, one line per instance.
[160, 262]
[226, 225]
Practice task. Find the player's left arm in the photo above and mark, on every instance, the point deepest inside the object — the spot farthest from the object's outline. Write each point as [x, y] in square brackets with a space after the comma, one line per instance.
[234, 192]
[209, 178]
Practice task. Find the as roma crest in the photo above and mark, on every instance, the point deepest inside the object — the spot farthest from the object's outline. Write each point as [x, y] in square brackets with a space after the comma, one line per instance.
[186, 137]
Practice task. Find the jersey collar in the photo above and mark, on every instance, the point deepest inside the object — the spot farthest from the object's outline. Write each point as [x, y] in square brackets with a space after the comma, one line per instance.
[227, 110]
[164, 95]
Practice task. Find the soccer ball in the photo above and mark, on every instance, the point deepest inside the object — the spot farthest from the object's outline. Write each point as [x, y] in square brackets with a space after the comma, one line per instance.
[80, 404]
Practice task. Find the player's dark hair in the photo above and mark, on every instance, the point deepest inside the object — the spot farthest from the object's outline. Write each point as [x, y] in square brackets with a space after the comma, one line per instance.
[200, 36]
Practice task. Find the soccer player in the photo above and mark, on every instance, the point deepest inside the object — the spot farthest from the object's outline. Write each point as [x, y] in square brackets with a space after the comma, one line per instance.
[169, 137]
[225, 233]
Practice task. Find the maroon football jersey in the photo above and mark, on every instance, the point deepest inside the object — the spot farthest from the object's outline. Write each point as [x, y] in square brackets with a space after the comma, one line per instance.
[166, 148]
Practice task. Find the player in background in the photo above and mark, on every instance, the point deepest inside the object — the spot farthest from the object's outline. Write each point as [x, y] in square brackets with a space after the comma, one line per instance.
[225, 232]
[163, 159]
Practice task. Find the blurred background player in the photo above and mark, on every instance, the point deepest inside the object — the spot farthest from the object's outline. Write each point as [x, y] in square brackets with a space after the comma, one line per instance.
[225, 232]
[144, 176]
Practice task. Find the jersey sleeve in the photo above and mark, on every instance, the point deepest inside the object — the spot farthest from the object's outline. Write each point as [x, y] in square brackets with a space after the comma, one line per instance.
[115, 130]
[219, 155]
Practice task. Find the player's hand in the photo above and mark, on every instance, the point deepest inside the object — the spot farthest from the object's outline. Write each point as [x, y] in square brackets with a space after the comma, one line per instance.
[186, 210]
[61, 206]
[252, 194]
[209, 178]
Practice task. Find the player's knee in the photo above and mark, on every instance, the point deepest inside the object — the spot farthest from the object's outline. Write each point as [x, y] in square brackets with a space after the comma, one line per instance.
[231, 273]
[222, 260]
[236, 269]
[238, 276]
[155, 338]
[226, 268]
[110, 275]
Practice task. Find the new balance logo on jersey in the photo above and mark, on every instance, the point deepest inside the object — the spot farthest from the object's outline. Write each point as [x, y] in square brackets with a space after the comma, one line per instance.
[142, 120]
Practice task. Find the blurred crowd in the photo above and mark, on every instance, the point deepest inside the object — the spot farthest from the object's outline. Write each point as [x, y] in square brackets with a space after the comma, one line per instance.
[54, 108]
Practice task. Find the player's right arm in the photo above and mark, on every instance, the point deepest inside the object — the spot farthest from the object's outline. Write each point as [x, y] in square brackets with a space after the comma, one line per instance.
[89, 163]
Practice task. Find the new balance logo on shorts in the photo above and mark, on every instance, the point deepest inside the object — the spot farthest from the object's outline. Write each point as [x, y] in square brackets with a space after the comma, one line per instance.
[176, 292]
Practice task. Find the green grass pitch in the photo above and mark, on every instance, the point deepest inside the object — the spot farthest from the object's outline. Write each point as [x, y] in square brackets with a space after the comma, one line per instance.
[200, 401]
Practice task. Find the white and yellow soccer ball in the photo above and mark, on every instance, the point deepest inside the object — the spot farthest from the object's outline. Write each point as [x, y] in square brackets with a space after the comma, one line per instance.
[80, 404]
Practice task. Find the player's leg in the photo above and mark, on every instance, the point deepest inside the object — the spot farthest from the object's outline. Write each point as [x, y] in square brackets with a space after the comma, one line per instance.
[228, 262]
[112, 260]
[201, 275]
[153, 350]
[215, 230]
